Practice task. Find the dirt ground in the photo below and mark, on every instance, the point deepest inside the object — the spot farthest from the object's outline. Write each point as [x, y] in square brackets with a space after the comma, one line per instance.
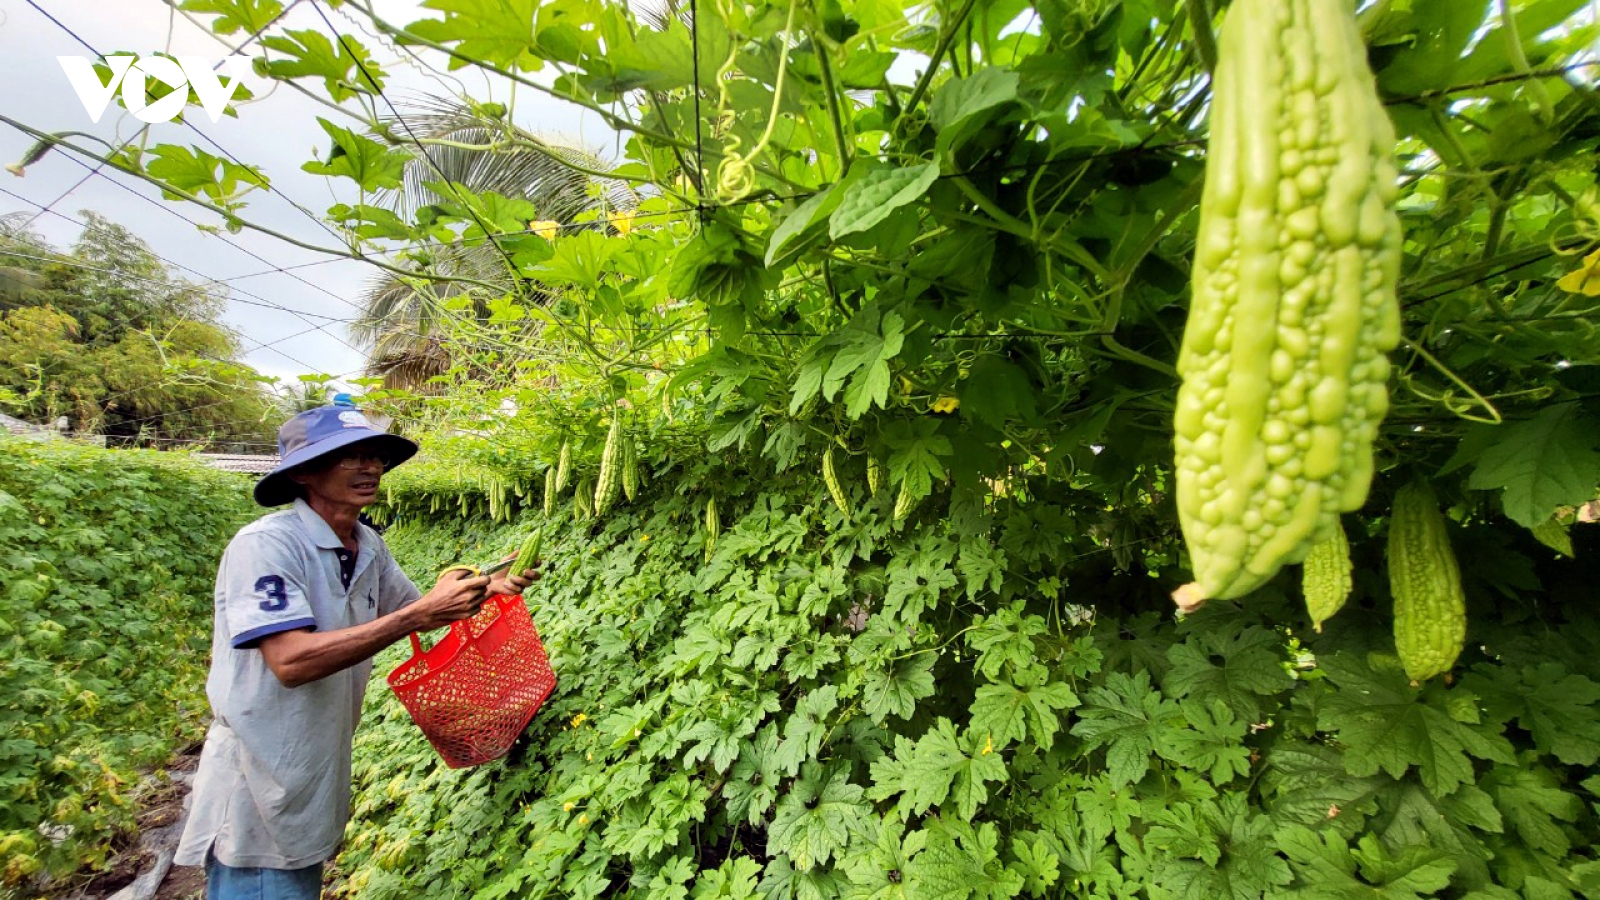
[163, 807]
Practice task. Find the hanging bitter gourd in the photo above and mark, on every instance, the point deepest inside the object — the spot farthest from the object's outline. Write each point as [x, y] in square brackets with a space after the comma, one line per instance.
[564, 466]
[609, 482]
[1430, 609]
[550, 491]
[630, 469]
[874, 476]
[583, 499]
[713, 525]
[830, 477]
[1325, 577]
[1293, 310]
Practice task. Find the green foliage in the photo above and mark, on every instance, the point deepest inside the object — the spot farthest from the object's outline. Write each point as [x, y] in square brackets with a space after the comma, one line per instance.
[106, 566]
[824, 708]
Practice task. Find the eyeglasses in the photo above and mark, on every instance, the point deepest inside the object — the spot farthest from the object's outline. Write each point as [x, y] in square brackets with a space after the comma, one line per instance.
[361, 460]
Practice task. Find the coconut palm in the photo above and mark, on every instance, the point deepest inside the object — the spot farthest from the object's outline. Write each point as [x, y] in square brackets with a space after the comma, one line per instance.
[401, 322]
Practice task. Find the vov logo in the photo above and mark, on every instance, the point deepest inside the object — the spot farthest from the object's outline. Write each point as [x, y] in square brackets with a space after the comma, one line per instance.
[129, 73]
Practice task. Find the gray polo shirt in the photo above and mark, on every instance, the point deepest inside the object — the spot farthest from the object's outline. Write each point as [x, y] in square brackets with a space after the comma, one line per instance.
[273, 788]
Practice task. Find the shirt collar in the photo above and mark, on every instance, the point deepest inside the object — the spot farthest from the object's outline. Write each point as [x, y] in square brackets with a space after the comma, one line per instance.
[317, 527]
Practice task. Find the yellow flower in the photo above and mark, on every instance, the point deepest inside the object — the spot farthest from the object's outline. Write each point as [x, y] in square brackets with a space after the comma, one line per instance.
[578, 719]
[988, 745]
[583, 818]
[946, 404]
[545, 228]
[567, 807]
[1585, 279]
[621, 221]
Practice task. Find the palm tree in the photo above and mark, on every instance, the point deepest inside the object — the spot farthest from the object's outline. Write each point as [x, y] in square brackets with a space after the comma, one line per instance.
[400, 324]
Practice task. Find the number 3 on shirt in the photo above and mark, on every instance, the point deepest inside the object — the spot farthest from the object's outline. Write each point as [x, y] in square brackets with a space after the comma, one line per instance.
[272, 587]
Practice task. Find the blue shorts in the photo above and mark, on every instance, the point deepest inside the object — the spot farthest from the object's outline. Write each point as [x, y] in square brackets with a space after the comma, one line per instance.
[228, 883]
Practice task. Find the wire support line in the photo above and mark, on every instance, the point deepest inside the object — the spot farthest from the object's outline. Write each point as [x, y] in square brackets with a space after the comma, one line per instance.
[146, 127]
[694, 61]
[258, 300]
[189, 124]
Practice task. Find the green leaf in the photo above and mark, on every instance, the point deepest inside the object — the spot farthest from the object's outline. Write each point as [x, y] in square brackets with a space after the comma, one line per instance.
[819, 817]
[878, 872]
[1561, 710]
[365, 161]
[1007, 712]
[962, 862]
[870, 199]
[198, 172]
[249, 16]
[1212, 743]
[895, 692]
[936, 767]
[1222, 662]
[1331, 870]
[753, 785]
[1548, 461]
[345, 69]
[802, 227]
[1535, 807]
[1005, 639]
[735, 879]
[1387, 726]
[1126, 716]
[497, 31]
[961, 107]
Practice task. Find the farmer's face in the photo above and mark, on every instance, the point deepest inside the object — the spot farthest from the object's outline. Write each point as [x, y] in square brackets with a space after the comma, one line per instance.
[349, 477]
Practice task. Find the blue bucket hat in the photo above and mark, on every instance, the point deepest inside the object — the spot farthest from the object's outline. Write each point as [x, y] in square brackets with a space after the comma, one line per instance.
[316, 433]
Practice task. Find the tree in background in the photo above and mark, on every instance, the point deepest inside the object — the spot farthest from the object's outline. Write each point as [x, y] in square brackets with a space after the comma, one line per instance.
[545, 183]
[106, 336]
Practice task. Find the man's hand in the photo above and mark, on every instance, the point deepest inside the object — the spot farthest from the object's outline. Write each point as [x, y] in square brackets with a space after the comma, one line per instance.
[511, 583]
[456, 596]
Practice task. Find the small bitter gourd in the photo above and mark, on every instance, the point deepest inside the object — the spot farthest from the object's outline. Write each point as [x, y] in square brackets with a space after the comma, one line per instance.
[874, 476]
[1430, 609]
[528, 553]
[609, 482]
[713, 525]
[583, 499]
[1325, 577]
[830, 477]
[550, 491]
[905, 502]
[630, 469]
[1293, 310]
[564, 466]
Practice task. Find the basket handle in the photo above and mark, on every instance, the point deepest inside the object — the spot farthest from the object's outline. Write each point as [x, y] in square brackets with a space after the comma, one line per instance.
[416, 645]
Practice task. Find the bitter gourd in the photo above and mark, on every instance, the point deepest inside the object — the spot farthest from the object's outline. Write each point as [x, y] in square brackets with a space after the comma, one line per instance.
[630, 469]
[550, 491]
[713, 525]
[830, 477]
[1430, 609]
[528, 553]
[874, 476]
[1293, 311]
[564, 466]
[609, 482]
[583, 499]
[1325, 577]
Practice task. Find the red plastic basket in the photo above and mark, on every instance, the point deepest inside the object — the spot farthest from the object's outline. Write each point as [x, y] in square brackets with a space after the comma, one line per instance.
[474, 691]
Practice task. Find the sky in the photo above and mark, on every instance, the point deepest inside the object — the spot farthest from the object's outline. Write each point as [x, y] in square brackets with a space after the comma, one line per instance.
[277, 133]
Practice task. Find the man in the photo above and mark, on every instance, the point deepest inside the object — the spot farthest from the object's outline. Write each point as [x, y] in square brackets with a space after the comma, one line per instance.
[304, 598]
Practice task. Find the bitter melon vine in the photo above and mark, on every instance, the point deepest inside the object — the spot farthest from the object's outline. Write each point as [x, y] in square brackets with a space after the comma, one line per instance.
[1293, 309]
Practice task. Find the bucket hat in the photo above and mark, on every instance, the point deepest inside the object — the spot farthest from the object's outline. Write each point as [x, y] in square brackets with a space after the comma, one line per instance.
[318, 432]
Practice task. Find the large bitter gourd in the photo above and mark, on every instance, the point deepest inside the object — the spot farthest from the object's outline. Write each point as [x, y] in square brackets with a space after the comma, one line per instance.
[1293, 311]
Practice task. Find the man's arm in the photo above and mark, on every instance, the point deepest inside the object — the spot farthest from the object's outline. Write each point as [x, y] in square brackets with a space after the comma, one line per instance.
[302, 656]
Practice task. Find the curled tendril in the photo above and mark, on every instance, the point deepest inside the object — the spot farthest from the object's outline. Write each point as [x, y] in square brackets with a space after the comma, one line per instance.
[736, 176]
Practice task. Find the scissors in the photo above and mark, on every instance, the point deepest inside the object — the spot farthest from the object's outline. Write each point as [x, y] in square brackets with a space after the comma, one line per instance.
[476, 571]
